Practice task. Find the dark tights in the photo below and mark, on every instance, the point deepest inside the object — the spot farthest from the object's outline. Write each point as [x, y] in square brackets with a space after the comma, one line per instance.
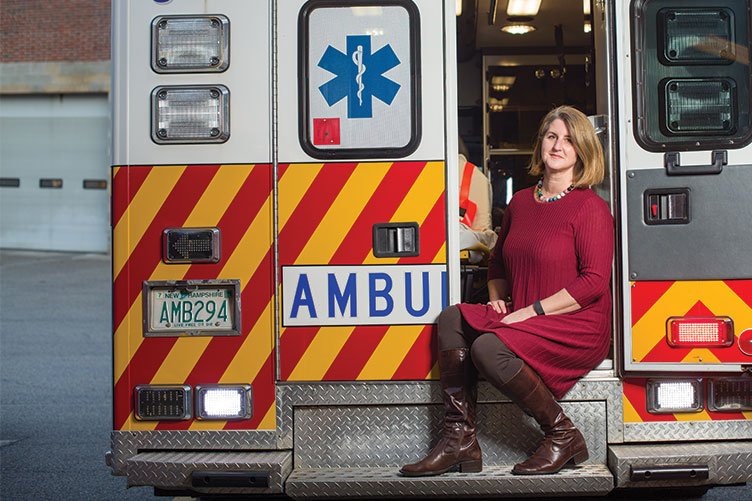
[491, 357]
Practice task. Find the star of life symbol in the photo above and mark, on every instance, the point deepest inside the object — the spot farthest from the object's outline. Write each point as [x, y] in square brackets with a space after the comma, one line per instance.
[359, 76]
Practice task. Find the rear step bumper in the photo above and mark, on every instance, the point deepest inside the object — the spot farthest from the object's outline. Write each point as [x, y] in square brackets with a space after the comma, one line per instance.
[496, 481]
[681, 465]
[232, 472]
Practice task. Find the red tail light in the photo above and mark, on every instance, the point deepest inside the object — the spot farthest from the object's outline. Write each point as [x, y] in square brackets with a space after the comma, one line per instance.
[698, 332]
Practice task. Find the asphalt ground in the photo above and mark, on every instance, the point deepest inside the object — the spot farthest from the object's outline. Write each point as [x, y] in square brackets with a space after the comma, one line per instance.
[56, 378]
[56, 383]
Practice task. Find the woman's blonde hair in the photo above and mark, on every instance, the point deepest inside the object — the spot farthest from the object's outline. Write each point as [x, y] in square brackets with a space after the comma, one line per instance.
[589, 167]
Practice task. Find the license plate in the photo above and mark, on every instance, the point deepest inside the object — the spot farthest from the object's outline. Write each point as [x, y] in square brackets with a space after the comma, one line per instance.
[202, 309]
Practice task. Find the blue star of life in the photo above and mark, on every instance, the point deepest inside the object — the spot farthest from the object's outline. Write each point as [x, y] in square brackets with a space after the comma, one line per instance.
[359, 76]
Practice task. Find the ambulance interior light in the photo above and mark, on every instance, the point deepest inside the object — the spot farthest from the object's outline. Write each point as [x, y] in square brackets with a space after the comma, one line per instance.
[183, 44]
[195, 114]
[225, 402]
[674, 396]
[523, 8]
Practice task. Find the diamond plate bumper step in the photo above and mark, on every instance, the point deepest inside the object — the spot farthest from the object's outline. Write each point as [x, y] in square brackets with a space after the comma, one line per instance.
[231, 472]
[726, 462]
[496, 481]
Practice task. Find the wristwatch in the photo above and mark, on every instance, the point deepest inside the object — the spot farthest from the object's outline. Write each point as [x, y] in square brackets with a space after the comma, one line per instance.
[538, 308]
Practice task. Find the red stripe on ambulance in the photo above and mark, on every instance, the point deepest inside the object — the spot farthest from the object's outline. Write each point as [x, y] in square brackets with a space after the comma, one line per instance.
[146, 255]
[421, 358]
[380, 208]
[354, 355]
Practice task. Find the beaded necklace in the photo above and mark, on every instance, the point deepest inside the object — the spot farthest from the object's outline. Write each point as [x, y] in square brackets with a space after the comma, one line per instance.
[554, 198]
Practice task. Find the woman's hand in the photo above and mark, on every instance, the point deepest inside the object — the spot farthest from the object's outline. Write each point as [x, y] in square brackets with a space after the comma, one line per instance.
[500, 306]
[519, 315]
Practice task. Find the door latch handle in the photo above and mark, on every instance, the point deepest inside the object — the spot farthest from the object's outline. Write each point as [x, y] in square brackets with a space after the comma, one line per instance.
[396, 240]
[718, 158]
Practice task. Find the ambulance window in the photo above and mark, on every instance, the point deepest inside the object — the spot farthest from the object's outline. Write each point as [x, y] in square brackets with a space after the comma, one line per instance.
[692, 74]
[359, 79]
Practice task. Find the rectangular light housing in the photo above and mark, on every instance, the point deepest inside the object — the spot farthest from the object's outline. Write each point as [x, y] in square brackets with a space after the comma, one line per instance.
[700, 332]
[697, 36]
[730, 394]
[224, 402]
[191, 245]
[195, 114]
[674, 396]
[189, 44]
[163, 402]
[699, 106]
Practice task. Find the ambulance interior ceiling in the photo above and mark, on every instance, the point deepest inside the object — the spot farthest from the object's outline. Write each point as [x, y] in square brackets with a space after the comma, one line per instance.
[534, 60]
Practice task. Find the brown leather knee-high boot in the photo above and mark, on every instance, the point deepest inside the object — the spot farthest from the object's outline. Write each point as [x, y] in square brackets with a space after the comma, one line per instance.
[562, 442]
[458, 448]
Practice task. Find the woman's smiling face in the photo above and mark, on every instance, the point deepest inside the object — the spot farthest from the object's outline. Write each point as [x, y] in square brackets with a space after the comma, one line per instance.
[557, 151]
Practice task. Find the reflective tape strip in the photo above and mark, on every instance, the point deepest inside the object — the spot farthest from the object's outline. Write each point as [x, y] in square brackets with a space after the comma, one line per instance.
[353, 356]
[207, 212]
[421, 361]
[342, 214]
[123, 190]
[320, 354]
[399, 192]
[294, 186]
[175, 209]
[249, 359]
[417, 204]
[225, 200]
[390, 352]
[655, 302]
[630, 413]
[389, 194]
[140, 212]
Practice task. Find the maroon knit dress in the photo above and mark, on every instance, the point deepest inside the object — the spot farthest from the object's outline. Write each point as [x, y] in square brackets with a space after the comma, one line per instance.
[543, 248]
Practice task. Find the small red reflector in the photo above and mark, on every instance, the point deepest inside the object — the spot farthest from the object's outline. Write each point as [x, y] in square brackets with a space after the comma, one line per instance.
[745, 342]
[695, 332]
[325, 131]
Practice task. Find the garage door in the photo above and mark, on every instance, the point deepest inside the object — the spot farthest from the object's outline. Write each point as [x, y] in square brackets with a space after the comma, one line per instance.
[54, 173]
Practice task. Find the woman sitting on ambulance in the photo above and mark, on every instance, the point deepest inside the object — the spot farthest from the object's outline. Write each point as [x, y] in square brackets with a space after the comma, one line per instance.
[553, 258]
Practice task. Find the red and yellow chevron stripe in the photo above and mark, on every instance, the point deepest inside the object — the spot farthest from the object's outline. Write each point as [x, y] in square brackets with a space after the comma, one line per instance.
[326, 215]
[237, 200]
[635, 408]
[654, 302]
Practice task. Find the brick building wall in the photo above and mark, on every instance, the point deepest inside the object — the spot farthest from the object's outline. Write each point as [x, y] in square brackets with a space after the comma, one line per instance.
[54, 30]
[54, 46]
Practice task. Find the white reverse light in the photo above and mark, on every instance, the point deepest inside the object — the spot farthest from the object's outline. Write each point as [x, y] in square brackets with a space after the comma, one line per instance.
[185, 44]
[225, 402]
[195, 114]
[674, 396]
